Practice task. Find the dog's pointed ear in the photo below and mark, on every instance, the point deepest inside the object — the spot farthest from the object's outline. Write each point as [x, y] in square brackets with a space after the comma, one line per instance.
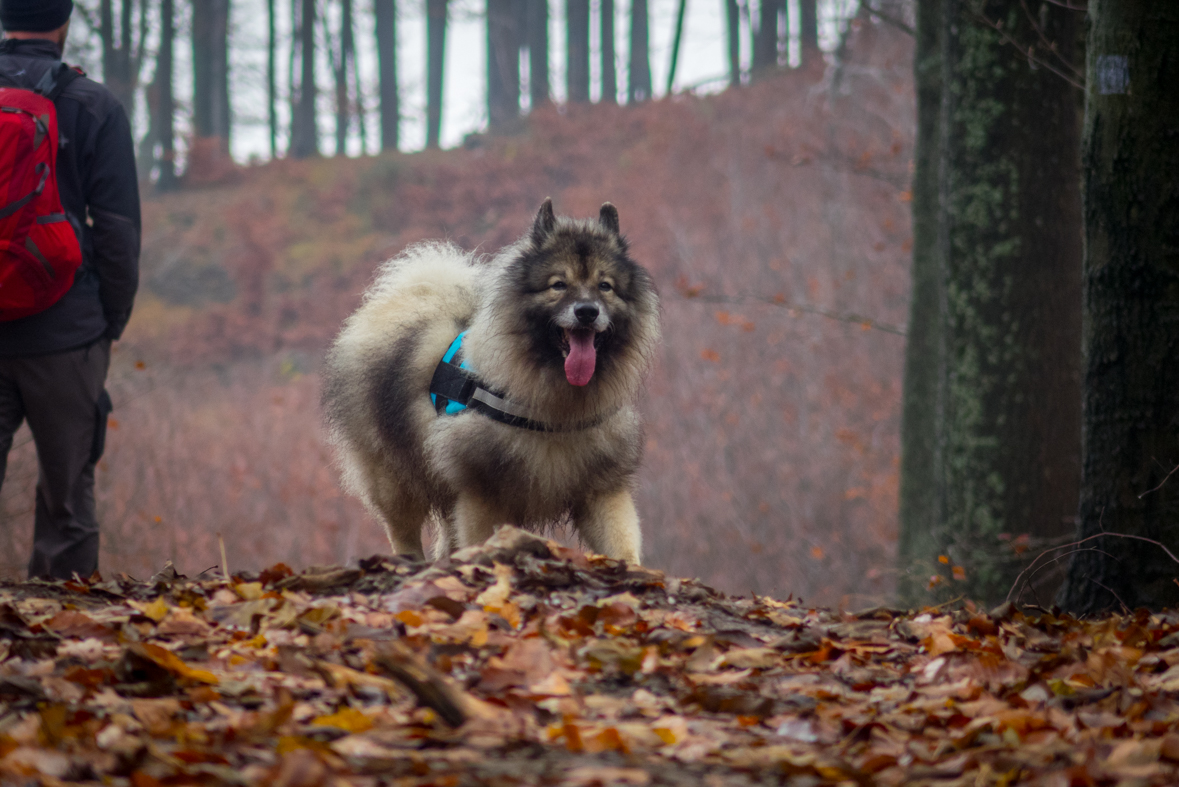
[609, 217]
[545, 221]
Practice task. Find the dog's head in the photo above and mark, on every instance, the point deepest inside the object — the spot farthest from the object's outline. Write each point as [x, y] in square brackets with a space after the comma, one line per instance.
[587, 306]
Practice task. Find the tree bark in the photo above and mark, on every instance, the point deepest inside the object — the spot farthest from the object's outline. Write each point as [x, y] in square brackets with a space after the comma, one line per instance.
[918, 491]
[119, 67]
[166, 101]
[344, 67]
[808, 29]
[435, 58]
[503, 65]
[609, 72]
[210, 57]
[577, 16]
[765, 41]
[1131, 307]
[271, 76]
[304, 132]
[638, 76]
[998, 434]
[538, 52]
[733, 30]
[386, 23]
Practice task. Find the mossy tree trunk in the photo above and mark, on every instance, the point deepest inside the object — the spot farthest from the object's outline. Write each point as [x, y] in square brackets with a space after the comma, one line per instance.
[1131, 308]
[918, 493]
[992, 411]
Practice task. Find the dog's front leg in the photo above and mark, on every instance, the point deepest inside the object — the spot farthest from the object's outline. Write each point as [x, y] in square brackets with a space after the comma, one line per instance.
[609, 525]
[474, 521]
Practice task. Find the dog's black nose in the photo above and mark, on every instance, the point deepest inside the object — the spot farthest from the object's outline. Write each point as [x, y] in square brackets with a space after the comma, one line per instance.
[586, 313]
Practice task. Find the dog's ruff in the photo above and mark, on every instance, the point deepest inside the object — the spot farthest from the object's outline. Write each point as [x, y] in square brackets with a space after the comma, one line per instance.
[561, 328]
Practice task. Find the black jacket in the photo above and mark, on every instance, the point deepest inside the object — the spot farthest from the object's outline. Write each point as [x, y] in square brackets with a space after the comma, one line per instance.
[100, 192]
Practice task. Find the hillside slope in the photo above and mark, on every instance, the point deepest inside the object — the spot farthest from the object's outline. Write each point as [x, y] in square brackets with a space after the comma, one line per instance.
[772, 429]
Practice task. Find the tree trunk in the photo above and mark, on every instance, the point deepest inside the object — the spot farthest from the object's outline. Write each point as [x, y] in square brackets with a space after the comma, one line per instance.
[1006, 418]
[166, 101]
[577, 16]
[538, 52]
[918, 492]
[765, 41]
[1131, 306]
[503, 65]
[733, 29]
[386, 19]
[609, 73]
[271, 76]
[210, 57]
[808, 28]
[304, 133]
[676, 41]
[117, 59]
[638, 76]
[435, 58]
[343, 69]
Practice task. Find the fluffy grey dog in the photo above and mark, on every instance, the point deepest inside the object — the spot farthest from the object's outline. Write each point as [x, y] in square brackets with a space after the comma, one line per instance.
[537, 421]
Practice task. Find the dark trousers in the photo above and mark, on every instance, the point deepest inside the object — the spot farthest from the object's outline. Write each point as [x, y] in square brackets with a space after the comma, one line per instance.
[63, 399]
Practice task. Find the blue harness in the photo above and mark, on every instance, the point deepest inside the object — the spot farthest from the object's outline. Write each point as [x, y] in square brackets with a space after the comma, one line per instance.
[455, 387]
[450, 406]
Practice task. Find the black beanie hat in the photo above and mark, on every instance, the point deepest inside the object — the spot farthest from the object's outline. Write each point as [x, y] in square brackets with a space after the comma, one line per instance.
[35, 16]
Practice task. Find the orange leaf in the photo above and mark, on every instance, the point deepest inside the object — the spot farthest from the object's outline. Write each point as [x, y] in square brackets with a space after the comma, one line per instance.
[709, 354]
[348, 719]
[959, 573]
[945, 561]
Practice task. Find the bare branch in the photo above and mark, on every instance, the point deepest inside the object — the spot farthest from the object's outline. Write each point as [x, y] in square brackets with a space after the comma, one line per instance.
[1027, 51]
[776, 300]
[1160, 486]
[1103, 534]
[891, 20]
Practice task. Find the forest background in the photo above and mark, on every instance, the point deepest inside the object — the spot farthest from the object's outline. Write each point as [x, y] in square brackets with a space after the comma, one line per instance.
[772, 208]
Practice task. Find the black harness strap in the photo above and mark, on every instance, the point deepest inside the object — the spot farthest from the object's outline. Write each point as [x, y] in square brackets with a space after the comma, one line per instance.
[452, 383]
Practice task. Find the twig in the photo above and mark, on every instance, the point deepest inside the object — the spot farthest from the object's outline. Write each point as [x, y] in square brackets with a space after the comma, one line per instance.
[1050, 44]
[848, 317]
[890, 20]
[1102, 534]
[1160, 486]
[224, 560]
[1110, 590]
[426, 683]
[1027, 51]
[1069, 6]
[1057, 559]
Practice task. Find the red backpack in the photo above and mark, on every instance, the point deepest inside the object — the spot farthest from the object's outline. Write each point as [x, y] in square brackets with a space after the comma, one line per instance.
[39, 251]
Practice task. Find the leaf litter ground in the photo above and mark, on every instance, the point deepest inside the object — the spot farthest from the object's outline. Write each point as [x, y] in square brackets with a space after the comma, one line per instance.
[523, 662]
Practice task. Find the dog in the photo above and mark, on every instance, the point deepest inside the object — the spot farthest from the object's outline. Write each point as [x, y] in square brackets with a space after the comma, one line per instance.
[537, 421]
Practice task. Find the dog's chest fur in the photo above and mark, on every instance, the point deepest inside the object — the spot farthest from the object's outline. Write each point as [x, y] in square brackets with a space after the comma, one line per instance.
[533, 476]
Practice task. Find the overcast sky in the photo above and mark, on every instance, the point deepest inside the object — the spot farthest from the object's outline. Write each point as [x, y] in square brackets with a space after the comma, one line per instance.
[702, 64]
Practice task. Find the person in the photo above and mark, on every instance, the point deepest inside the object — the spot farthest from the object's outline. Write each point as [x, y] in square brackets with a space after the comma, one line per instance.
[53, 364]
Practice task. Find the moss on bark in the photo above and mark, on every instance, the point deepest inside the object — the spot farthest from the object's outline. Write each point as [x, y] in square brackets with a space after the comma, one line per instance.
[1004, 413]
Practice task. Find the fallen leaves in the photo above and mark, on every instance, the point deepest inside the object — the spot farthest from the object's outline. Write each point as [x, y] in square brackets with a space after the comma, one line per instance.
[527, 662]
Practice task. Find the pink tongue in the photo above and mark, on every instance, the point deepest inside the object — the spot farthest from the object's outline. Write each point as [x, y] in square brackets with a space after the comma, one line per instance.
[579, 365]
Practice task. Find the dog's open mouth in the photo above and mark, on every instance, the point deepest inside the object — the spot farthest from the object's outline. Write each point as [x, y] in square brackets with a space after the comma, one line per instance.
[580, 348]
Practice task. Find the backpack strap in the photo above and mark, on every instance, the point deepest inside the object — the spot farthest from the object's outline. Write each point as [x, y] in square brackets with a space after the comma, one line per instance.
[55, 80]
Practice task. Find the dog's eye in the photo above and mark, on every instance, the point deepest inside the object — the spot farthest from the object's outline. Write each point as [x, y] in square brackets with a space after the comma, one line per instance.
[559, 286]
[605, 286]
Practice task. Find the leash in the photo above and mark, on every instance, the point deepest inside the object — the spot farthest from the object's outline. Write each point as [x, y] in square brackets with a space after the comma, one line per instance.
[455, 387]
